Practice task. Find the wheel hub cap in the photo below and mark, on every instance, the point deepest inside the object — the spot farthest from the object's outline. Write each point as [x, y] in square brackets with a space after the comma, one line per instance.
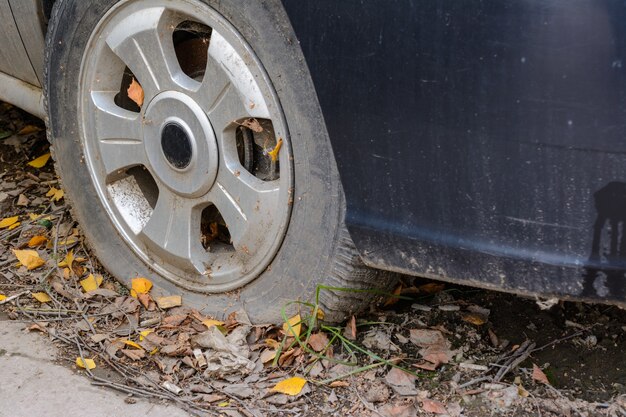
[176, 145]
[185, 159]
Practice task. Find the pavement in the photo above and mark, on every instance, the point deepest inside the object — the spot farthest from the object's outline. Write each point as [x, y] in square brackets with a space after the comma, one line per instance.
[33, 383]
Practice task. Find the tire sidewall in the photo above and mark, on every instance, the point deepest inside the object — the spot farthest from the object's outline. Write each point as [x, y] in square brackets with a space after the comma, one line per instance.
[306, 254]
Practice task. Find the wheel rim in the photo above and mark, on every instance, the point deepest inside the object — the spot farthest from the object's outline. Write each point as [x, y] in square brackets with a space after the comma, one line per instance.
[194, 179]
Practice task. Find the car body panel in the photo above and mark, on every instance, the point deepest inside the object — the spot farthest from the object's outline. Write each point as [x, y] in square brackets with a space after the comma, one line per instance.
[479, 142]
[14, 60]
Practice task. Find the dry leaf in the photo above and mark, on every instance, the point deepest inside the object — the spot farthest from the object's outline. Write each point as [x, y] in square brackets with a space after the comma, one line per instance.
[394, 299]
[268, 355]
[432, 406]
[134, 355]
[539, 375]
[339, 384]
[274, 153]
[87, 364]
[143, 334]
[22, 201]
[29, 258]
[132, 344]
[140, 286]
[402, 382]
[350, 330]
[40, 162]
[292, 386]
[295, 324]
[55, 194]
[28, 129]
[431, 288]
[253, 124]
[8, 222]
[169, 302]
[475, 319]
[68, 261]
[42, 297]
[318, 341]
[37, 241]
[211, 322]
[136, 93]
[91, 283]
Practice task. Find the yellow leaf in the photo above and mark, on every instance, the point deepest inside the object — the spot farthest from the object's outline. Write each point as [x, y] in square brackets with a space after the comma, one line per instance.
[473, 318]
[68, 261]
[29, 258]
[54, 194]
[68, 242]
[296, 326]
[88, 364]
[141, 286]
[320, 314]
[42, 297]
[132, 344]
[40, 162]
[135, 93]
[211, 322]
[142, 335]
[291, 386]
[169, 302]
[34, 216]
[15, 225]
[274, 153]
[91, 283]
[3, 297]
[272, 343]
[37, 241]
[28, 129]
[154, 351]
[8, 222]
[224, 404]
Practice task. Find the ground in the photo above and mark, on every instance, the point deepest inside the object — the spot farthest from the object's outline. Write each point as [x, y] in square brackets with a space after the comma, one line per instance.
[436, 349]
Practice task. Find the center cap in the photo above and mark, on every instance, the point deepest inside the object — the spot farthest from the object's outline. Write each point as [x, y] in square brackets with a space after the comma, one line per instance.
[180, 144]
[176, 145]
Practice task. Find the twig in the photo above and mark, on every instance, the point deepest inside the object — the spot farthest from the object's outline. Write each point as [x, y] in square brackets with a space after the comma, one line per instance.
[14, 297]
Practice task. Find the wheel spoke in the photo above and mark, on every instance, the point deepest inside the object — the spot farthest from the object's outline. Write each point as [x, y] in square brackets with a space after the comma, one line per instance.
[113, 122]
[238, 72]
[143, 41]
[119, 134]
[228, 109]
[247, 205]
[174, 231]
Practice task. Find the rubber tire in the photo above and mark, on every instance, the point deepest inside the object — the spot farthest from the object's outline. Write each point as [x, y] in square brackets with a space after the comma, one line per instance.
[317, 248]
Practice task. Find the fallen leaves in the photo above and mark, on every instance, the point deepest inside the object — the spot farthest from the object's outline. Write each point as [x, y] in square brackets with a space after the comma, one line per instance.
[140, 286]
[8, 222]
[433, 406]
[55, 194]
[172, 301]
[401, 382]
[293, 326]
[40, 162]
[274, 153]
[28, 130]
[29, 258]
[42, 297]
[91, 283]
[88, 364]
[37, 241]
[435, 347]
[3, 297]
[318, 341]
[291, 386]
[539, 375]
[136, 93]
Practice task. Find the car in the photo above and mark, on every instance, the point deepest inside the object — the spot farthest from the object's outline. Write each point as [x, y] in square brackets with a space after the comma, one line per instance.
[248, 153]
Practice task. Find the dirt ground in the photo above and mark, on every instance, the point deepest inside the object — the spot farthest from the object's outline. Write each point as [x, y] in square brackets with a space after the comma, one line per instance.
[437, 350]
